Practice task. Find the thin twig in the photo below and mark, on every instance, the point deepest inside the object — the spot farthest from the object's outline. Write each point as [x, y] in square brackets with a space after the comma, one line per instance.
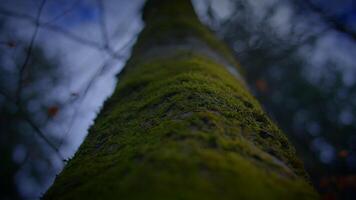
[102, 23]
[330, 20]
[29, 52]
[59, 30]
[27, 118]
[65, 12]
[89, 85]
[17, 99]
[41, 134]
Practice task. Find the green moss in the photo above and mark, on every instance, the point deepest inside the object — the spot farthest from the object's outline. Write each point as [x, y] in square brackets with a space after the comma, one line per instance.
[181, 127]
[168, 22]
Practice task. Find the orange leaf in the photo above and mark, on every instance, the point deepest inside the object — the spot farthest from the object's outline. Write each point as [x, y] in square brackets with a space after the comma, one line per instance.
[343, 153]
[261, 85]
[52, 111]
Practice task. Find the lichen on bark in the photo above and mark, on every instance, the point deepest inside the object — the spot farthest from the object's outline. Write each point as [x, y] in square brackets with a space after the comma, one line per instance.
[180, 126]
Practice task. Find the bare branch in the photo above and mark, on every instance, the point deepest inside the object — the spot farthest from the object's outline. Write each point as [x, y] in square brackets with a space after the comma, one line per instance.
[29, 51]
[36, 21]
[331, 21]
[41, 134]
[89, 85]
[37, 130]
[65, 12]
[59, 30]
[102, 23]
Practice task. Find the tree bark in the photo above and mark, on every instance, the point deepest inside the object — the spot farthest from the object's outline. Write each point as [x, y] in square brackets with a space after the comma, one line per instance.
[181, 124]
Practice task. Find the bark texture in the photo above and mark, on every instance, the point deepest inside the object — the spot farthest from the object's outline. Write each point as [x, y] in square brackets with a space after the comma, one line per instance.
[180, 125]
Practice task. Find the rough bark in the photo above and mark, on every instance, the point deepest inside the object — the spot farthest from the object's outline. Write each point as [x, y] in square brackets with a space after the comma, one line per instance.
[180, 125]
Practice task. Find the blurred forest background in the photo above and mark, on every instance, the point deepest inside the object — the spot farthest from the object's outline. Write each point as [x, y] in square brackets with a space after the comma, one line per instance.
[58, 61]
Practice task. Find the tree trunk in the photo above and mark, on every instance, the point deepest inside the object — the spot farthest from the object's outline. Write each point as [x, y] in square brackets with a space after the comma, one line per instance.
[181, 124]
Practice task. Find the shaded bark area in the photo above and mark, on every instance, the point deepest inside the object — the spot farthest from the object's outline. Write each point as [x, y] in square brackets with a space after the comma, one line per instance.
[181, 126]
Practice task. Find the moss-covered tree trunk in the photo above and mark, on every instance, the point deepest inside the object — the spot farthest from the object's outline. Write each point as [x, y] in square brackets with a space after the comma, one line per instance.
[181, 125]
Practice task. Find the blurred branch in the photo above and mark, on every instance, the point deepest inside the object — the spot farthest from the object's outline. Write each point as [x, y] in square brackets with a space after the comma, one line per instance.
[102, 23]
[61, 31]
[82, 97]
[331, 21]
[36, 21]
[51, 27]
[91, 82]
[28, 53]
[41, 134]
[65, 12]
[17, 99]
[28, 119]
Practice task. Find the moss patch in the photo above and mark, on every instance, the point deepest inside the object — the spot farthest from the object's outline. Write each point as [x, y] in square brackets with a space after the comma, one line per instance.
[183, 128]
[168, 22]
